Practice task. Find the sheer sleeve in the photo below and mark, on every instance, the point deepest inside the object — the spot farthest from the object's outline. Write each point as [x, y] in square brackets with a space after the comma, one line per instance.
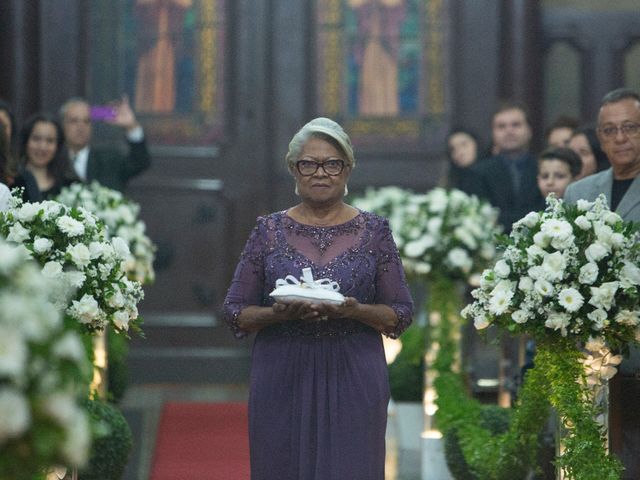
[247, 284]
[391, 284]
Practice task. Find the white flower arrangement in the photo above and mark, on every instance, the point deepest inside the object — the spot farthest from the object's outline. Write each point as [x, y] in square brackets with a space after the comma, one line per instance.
[444, 232]
[72, 249]
[570, 271]
[44, 373]
[121, 216]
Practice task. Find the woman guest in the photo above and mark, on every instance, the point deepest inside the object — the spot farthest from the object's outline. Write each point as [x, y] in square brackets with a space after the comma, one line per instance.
[319, 388]
[586, 144]
[42, 154]
[462, 154]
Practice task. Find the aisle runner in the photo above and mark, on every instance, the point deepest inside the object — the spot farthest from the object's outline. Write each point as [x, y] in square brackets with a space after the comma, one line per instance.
[202, 441]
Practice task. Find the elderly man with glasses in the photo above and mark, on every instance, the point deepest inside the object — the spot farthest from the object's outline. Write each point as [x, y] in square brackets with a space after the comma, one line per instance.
[619, 134]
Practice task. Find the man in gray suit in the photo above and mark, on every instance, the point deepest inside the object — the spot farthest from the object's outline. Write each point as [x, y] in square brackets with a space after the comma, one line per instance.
[619, 134]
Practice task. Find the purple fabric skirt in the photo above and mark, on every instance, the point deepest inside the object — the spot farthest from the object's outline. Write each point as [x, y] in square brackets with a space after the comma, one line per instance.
[318, 407]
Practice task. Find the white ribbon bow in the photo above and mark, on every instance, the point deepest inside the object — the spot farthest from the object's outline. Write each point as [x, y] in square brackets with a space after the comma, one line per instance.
[307, 281]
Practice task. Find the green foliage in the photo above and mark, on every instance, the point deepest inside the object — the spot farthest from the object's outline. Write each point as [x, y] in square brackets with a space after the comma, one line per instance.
[117, 370]
[406, 373]
[110, 451]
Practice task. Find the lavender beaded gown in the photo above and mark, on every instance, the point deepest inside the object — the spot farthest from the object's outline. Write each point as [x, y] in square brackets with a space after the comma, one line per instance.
[319, 390]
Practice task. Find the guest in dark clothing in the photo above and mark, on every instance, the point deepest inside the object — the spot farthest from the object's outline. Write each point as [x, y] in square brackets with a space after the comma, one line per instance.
[560, 131]
[108, 166]
[586, 144]
[507, 180]
[42, 154]
[7, 120]
[462, 154]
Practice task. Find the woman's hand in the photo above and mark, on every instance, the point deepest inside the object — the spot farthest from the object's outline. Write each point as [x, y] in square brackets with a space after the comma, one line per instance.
[294, 311]
[325, 311]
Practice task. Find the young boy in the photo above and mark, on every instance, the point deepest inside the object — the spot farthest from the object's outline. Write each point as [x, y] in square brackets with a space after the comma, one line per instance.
[557, 168]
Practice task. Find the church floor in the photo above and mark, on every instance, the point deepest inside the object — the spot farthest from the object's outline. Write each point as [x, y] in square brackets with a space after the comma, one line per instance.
[142, 406]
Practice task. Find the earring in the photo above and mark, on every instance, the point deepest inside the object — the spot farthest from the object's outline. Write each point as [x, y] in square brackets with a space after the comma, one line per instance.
[296, 191]
[346, 190]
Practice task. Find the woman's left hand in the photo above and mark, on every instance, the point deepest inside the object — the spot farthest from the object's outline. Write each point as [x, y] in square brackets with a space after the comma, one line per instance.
[329, 310]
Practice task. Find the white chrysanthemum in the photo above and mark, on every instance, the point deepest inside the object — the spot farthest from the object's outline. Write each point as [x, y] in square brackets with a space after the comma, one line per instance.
[570, 299]
[555, 228]
[500, 302]
[70, 226]
[15, 416]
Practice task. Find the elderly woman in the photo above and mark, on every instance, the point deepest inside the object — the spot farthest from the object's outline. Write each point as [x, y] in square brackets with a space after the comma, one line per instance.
[319, 387]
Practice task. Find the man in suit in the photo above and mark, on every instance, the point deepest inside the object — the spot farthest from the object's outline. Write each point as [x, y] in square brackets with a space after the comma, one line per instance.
[507, 180]
[619, 134]
[108, 166]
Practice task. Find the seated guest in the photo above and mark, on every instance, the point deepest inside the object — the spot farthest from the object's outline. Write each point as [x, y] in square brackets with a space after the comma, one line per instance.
[462, 153]
[7, 120]
[106, 165]
[560, 131]
[507, 180]
[586, 144]
[42, 154]
[557, 168]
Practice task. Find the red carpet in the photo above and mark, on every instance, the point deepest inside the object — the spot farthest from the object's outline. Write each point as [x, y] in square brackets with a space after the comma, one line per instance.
[202, 441]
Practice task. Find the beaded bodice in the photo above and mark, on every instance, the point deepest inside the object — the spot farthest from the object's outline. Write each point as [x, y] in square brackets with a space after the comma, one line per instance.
[360, 255]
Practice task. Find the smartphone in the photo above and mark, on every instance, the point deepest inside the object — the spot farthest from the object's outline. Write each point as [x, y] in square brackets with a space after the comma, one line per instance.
[102, 112]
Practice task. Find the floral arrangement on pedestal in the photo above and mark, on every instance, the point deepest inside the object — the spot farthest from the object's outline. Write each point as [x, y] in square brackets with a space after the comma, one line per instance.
[71, 247]
[445, 239]
[44, 374]
[121, 216]
[569, 277]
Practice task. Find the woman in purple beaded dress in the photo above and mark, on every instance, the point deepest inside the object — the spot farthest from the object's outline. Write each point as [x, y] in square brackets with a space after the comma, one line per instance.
[319, 387]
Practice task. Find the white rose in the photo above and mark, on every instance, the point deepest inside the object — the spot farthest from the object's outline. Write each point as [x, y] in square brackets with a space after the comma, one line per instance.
[541, 239]
[116, 300]
[554, 265]
[596, 251]
[52, 269]
[543, 287]
[570, 299]
[534, 252]
[17, 233]
[17, 422]
[599, 318]
[42, 245]
[558, 321]
[611, 218]
[602, 297]
[86, 310]
[487, 279]
[537, 273]
[502, 268]
[79, 254]
[525, 284]
[70, 226]
[588, 273]
[121, 320]
[583, 222]
[531, 219]
[520, 316]
[617, 240]
[27, 212]
[458, 258]
[481, 322]
[584, 205]
[75, 279]
[629, 275]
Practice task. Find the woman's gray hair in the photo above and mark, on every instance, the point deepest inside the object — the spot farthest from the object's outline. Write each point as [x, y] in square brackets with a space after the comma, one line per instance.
[322, 126]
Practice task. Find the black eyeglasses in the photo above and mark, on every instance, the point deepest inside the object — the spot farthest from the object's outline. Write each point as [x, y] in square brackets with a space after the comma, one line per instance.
[611, 131]
[308, 168]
